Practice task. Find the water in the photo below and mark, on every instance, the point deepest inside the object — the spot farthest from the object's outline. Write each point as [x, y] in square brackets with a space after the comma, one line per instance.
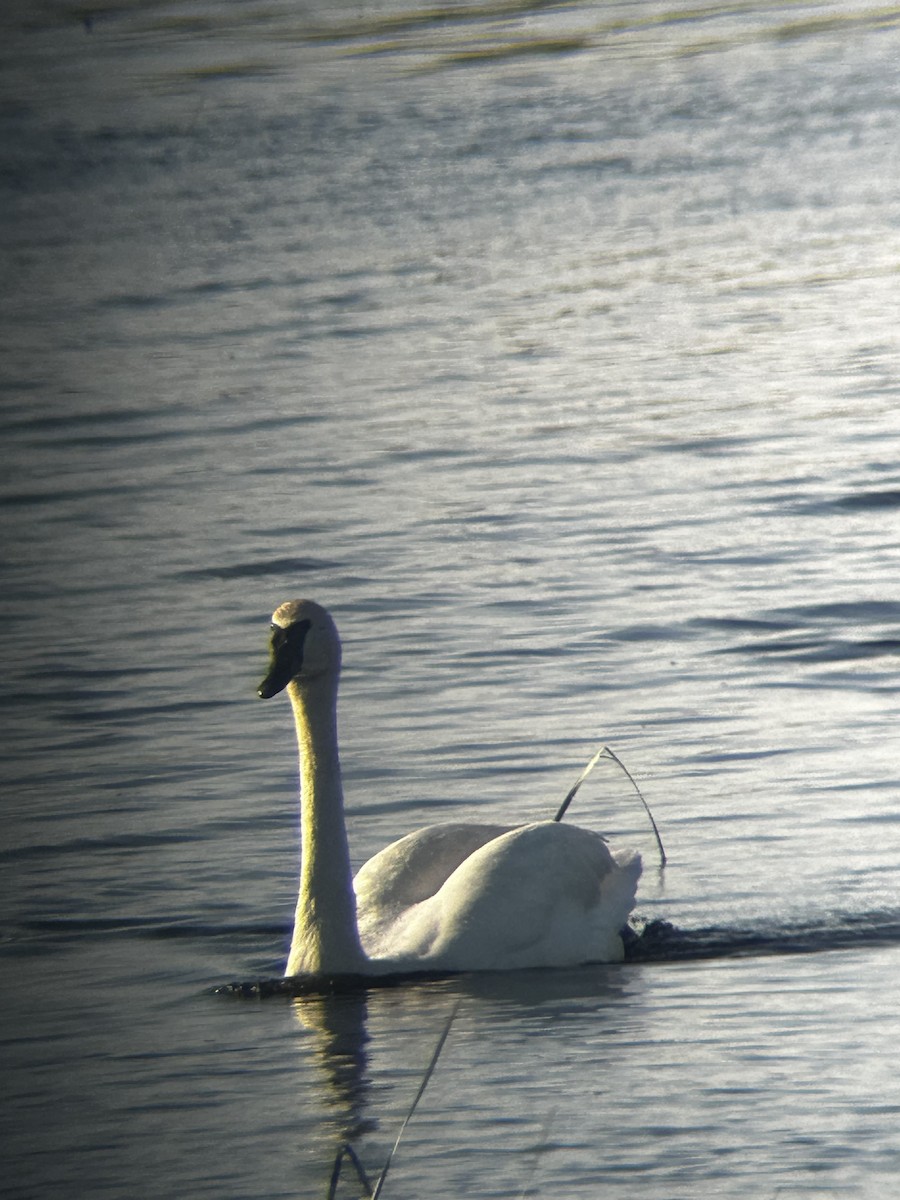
[554, 348]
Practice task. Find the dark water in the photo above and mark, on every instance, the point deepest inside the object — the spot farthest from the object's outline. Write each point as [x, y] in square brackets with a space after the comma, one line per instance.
[554, 348]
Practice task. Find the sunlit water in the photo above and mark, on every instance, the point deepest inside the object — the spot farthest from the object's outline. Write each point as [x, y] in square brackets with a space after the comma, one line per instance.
[556, 350]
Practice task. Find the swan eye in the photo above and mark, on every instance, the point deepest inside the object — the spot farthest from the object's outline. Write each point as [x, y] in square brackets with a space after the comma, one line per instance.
[293, 636]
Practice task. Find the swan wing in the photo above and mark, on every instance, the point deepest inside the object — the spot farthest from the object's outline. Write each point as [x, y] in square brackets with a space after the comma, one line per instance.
[542, 895]
[414, 868]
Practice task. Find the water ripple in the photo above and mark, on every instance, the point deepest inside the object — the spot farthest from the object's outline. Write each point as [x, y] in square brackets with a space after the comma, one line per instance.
[260, 569]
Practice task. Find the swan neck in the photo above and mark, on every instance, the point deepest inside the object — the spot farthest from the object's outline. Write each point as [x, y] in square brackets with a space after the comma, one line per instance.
[326, 937]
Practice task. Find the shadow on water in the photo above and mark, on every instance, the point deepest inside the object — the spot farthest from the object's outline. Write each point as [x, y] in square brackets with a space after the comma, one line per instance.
[660, 941]
[646, 941]
[656, 941]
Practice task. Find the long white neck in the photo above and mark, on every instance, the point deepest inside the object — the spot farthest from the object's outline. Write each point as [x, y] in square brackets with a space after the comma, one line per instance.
[326, 938]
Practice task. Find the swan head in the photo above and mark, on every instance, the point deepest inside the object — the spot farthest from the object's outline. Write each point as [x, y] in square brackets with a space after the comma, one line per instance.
[304, 646]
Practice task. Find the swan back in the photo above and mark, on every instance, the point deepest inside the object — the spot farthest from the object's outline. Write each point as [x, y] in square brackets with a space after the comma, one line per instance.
[540, 895]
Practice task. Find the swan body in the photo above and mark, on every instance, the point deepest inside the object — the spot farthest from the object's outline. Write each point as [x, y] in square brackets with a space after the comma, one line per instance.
[451, 897]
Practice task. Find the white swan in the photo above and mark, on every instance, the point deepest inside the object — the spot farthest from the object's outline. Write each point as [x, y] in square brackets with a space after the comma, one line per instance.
[453, 897]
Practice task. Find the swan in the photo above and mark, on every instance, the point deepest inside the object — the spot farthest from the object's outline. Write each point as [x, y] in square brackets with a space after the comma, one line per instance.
[447, 898]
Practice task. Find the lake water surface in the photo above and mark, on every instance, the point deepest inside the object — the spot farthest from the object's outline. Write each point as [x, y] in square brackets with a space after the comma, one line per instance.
[555, 349]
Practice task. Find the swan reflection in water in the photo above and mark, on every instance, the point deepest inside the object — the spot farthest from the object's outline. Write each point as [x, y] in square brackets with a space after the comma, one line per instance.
[454, 897]
[338, 1025]
[408, 1027]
